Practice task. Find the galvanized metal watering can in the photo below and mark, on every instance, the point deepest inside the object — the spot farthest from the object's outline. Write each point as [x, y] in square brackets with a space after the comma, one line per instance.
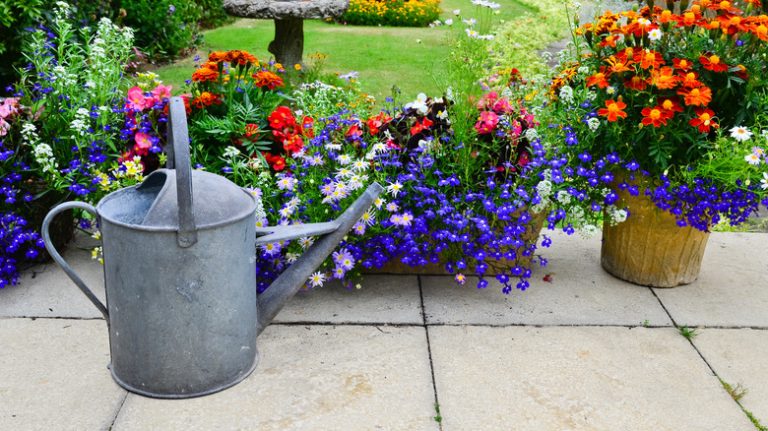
[180, 274]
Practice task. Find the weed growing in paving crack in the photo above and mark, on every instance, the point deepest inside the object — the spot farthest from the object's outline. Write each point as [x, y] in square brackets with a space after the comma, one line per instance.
[688, 333]
[737, 393]
[438, 418]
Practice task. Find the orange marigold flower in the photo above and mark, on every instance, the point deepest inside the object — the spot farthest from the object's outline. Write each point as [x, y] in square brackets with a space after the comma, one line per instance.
[609, 41]
[265, 78]
[698, 96]
[682, 64]
[742, 72]
[617, 65]
[614, 109]
[598, 79]
[217, 56]
[204, 74]
[760, 30]
[690, 80]
[667, 16]
[251, 130]
[713, 63]
[649, 59]
[636, 83]
[689, 19]
[210, 65]
[654, 116]
[671, 105]
[240, 58]
[704, 121]
[206, 98]
[664, 78]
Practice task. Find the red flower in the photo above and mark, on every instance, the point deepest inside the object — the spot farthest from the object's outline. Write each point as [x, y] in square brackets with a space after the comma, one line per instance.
[419, 127]
[251, 130]
[682, 64]
[308, 126]
[354, 132]
[655, 116]
[705, 120]
[376, 123]
[636, 83]
[293, 144]
[713, 63]
[281, 117]
[277, 163]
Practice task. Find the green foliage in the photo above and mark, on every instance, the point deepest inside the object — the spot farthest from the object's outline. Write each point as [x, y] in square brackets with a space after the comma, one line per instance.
[519, 41]
[212, 13]
[397, 13]
[688, 333]
[14, 17]
[164, 29]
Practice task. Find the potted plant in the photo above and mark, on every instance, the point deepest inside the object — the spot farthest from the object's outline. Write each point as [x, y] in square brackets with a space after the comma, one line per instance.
[669, 97]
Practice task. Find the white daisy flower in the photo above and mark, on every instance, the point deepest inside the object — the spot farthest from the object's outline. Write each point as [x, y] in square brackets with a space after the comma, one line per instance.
[741, 133]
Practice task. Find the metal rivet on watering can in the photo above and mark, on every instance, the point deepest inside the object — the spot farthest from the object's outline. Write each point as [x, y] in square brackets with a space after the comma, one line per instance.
[180, 274]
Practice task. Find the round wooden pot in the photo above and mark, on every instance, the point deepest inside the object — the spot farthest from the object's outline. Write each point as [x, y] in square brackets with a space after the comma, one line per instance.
[649, 248]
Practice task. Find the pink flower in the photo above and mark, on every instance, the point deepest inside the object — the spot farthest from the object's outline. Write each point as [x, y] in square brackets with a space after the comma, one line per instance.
[4, 127]
[487, 100]
[9, 107]
[136, 99]
[487, 122]
[502, 106]
[162, 91]
[142, 143]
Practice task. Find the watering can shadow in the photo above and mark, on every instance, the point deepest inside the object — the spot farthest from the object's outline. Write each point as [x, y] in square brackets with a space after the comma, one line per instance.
[180, 274]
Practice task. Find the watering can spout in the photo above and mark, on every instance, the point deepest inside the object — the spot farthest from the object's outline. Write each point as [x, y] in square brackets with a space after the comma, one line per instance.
[293, 278]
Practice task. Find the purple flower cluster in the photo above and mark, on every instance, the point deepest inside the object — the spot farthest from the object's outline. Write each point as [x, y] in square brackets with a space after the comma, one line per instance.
[703, 203]
[433, 218]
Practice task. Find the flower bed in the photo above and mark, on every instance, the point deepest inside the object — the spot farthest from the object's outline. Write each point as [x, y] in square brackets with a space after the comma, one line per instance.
[397, 13]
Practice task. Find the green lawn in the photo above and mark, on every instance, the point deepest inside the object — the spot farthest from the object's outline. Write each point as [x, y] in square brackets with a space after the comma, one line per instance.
[383, 56]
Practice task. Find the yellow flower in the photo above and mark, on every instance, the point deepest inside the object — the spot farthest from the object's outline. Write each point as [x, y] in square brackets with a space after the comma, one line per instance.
[297, 66]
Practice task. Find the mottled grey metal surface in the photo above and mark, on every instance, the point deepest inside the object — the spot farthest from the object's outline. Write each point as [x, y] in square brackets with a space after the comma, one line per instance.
[308, 9]
[182, 320]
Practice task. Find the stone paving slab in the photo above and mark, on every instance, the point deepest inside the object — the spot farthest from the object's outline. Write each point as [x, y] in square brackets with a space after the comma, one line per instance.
[45, 291]
[312, 378]
[580, 292]
[491, 378]
[740, 357]
[54, 376]
[732, 289]
[390, 299]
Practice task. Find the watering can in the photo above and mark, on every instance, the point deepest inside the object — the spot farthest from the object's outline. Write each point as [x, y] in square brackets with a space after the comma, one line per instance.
[180, 274]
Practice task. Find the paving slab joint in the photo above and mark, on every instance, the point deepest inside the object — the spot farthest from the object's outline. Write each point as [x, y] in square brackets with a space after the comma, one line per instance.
[438, 416]
[722, 382]
[118, 410]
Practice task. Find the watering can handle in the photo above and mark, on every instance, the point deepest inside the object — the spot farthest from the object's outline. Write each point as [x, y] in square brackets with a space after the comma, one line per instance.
[60, 260]
[177, 150]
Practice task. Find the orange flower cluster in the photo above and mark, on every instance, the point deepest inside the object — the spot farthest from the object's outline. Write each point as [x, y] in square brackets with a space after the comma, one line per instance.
[267, 79]
[640, 54]
[205, 99]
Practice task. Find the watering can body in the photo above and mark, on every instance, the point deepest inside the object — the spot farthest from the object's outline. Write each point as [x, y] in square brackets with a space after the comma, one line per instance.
[180, 274]
[182, 321]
